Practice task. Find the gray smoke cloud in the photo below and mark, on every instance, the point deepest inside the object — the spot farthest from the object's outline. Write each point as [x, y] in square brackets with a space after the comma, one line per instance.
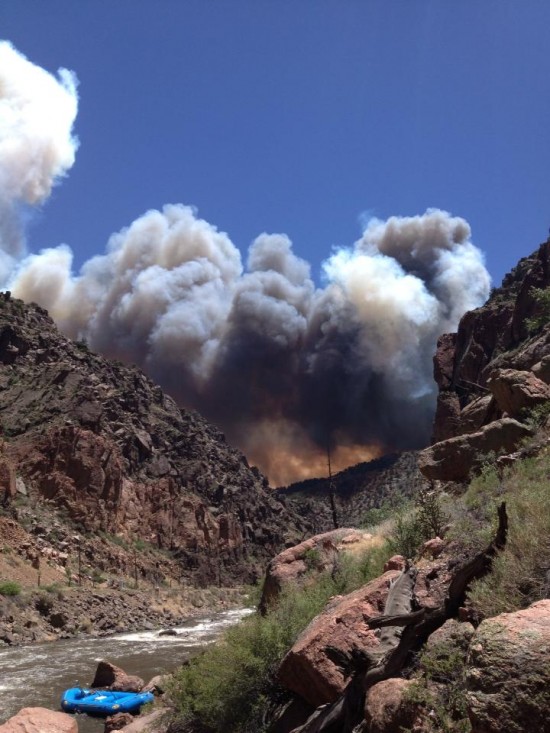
[37, 112]
[286, 368]
[283, 366]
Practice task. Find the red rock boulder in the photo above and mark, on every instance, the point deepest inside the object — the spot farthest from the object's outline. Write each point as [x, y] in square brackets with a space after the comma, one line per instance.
[153, 722]
[508, 673]
[311, 557]
[387, 709]
[396, 562]
[456, 458]
[39, 720]
[307, 670]
[111, 677]
[117, 722]
[515, 391]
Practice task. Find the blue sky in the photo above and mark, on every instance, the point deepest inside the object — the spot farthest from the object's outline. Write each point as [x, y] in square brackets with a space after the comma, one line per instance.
[295, 117]
[299, 116]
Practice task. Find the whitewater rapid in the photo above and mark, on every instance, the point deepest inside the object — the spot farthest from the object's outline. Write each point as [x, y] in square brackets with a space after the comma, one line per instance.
[35, 675]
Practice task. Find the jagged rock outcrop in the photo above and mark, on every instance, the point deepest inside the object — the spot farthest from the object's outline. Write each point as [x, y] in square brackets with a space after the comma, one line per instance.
[508, 675]
[311, 672]
[103, 444]
[455, 458]
[419, 603]
[313, 667]
[515, 391]
[315, 555]
[496, 366]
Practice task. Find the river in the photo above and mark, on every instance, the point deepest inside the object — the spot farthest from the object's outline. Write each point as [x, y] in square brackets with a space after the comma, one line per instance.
[35, 675]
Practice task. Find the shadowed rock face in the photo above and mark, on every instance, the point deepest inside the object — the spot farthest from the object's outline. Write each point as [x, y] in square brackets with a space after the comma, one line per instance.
[100, 441]
[492, 368]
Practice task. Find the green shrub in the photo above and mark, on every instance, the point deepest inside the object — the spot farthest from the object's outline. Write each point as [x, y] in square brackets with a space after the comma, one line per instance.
[378, 514]
[313, 559]
[229, 685]
[541, 296]
[417, 523]
[536, 416]
[406, 537]
[43, 604]
[9, 588]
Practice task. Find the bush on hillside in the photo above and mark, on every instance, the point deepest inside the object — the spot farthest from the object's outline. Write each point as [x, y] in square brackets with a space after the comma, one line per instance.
[9, 588]
[541, 296]
[229, 686]
[418, 523]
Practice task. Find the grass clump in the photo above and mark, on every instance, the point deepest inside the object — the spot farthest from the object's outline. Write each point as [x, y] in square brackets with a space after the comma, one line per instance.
[519, 575]
[440, 687]
[230, 685]
[9, 588]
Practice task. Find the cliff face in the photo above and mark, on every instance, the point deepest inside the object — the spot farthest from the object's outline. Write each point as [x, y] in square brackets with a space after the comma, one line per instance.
[105, 447]
[491, 371]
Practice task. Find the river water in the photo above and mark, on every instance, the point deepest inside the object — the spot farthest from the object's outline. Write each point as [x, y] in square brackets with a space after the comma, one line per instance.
[35, 675]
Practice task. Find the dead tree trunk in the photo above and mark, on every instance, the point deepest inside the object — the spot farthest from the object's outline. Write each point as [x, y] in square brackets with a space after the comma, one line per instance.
[405, 632]
[331, 491]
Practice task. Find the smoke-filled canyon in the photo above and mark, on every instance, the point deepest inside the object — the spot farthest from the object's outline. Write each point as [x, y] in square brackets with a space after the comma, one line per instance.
[286, 367]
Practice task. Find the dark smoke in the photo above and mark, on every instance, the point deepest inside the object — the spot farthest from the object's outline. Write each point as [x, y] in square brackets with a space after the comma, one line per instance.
[286, 368]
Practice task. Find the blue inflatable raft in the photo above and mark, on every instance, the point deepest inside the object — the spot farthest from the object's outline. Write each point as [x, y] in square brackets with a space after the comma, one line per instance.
[103, 702]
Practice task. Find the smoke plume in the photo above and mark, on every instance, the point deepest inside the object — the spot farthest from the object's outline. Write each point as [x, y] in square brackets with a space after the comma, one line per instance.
[37, 113]
[286, 368]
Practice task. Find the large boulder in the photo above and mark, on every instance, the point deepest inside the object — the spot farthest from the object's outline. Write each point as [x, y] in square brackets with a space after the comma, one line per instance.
[311, 557]
[516, 390]
[508, 675]
[110, 676]
[456, 458]
[542, 369]
[477, 413]
[307, 669]
[39, 720]
[387, 708]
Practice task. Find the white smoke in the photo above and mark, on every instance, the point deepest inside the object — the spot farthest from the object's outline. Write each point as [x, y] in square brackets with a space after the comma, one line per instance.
[259, 346]
[37, 147]
[281, 365]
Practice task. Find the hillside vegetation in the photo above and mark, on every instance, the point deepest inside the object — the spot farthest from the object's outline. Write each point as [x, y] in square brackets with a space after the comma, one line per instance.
[458, 663]
[234, 687]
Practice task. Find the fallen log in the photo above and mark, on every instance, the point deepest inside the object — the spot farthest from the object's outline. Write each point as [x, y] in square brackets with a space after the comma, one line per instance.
[404, 632]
